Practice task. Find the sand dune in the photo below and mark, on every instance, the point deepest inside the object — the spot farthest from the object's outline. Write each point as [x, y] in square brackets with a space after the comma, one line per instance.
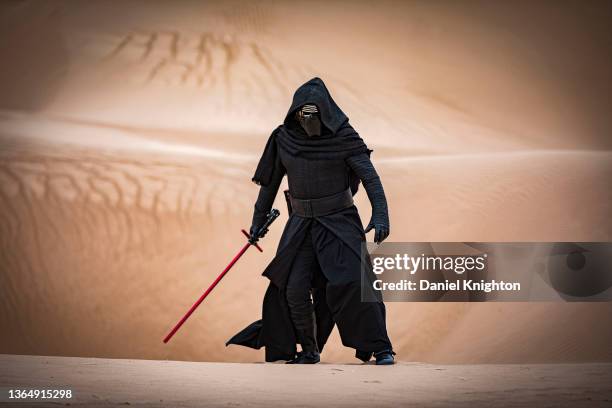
[127, 142]
[114, 245]
[434, 79]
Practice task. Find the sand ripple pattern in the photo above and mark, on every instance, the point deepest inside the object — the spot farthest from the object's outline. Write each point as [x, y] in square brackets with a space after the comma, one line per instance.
[91, 236]
[204, 61]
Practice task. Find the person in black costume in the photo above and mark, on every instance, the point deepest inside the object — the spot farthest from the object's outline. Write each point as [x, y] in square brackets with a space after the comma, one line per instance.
[315, 277]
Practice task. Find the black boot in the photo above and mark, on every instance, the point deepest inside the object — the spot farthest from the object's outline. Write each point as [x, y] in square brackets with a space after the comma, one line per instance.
[306, 357]
[385, 357]
[310, 351]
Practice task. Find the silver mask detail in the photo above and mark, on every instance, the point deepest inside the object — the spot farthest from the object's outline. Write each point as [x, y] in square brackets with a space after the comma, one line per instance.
[310, 120]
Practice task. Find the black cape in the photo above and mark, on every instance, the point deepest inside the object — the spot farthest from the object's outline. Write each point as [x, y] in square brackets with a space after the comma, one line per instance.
[337, 238]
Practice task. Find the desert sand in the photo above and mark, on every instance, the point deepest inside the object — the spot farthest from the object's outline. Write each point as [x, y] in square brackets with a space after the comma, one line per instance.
[128, 136]
[99, 382]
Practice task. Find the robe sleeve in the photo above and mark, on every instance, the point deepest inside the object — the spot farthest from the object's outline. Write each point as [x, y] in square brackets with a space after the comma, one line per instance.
[364, 169]
[267, 193]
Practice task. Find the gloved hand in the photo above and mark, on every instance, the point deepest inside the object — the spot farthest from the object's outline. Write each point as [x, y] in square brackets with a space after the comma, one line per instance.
[253, 231]
[381, 231]
[258, 220]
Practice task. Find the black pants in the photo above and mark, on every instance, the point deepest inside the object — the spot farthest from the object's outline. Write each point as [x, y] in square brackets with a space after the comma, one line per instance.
[329, 248]
[298, 292]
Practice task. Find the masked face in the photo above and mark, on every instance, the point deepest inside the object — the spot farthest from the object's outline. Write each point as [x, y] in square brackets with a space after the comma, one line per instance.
[310, 120]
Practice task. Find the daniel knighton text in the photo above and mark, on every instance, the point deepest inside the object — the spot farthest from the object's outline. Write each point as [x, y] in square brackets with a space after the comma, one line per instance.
[484, 271]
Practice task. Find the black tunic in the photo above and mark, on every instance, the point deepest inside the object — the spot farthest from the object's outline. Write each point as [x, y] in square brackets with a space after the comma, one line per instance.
[318, 168]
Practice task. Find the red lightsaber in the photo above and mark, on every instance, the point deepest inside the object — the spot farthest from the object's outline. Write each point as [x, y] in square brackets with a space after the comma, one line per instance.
[252, 240]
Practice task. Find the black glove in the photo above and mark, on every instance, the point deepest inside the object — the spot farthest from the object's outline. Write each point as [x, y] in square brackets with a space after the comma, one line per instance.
[253, 232]
[381, 231]
[259, 219]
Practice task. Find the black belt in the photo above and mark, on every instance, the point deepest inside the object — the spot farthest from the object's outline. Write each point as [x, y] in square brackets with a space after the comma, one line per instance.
[322, 206]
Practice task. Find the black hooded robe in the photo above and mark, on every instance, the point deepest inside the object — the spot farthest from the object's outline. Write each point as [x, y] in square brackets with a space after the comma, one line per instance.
[337, 160]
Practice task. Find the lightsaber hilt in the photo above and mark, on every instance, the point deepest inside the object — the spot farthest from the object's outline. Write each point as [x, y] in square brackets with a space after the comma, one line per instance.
[263, 230]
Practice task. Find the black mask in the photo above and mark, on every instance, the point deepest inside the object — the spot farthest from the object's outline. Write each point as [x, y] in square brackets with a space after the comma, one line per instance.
[310, 120]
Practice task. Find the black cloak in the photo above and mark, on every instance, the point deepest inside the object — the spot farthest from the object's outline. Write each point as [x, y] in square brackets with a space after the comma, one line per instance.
[337, 238]
[338, 139]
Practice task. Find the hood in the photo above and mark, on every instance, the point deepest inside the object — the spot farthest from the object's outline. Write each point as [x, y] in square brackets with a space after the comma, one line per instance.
[315, 92]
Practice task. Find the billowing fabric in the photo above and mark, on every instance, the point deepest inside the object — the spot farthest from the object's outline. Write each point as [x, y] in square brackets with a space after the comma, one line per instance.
[336, 293]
